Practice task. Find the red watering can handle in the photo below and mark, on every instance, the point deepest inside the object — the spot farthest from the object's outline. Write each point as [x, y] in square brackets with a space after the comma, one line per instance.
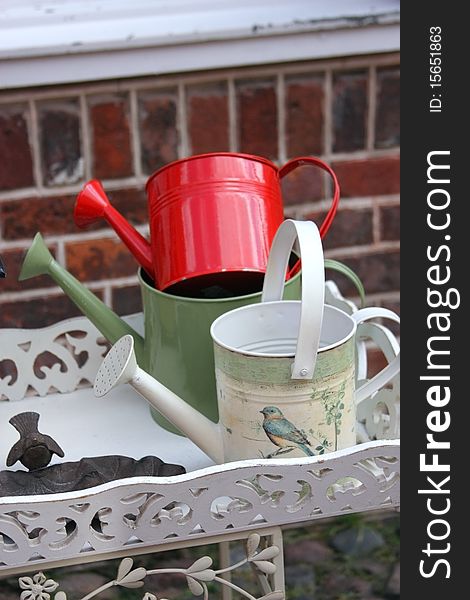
[309, 160]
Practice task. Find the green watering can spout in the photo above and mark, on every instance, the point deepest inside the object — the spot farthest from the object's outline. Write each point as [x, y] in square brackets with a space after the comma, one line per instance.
[39, 261]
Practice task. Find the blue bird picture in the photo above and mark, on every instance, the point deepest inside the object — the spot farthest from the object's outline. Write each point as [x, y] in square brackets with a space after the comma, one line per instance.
[282, 432]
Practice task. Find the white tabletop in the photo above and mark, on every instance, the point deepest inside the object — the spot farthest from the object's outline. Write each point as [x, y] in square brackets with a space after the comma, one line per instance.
[119, 423]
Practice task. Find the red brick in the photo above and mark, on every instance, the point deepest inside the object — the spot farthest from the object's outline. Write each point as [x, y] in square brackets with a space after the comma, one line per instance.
[59, 135]
[38, 312]
[349, 111]
[391, 305]
[127, 300]
[349, 228]
[389, 222]
[378, 272]
[109, 117]
[92, 260]
[395, 306]
[304, 184]
[375, 361]
[257, 117]
[208, 121]
[387, 118]
[158, 134]
[131, 203]
[304, 115]
[378, 176]
[13, 260]
[54, 215]
[49, 215]
[16, 166]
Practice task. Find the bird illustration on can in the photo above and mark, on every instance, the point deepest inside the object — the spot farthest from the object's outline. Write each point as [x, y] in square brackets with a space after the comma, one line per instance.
[282, 432]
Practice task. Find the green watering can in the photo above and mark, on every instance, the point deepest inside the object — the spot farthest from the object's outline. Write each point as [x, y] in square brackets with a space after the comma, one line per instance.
[177, 348]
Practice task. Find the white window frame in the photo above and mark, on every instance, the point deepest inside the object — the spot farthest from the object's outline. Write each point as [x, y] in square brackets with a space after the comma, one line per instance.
[44, 42]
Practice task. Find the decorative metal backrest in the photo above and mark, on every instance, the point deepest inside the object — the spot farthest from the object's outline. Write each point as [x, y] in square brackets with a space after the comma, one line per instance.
[378, 416]
[50, 359]
[58, 358]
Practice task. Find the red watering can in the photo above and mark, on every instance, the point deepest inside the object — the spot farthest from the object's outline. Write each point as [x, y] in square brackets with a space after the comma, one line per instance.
[212, 220]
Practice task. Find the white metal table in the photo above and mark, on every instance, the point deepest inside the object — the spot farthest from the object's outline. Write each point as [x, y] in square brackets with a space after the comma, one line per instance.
[209, 504]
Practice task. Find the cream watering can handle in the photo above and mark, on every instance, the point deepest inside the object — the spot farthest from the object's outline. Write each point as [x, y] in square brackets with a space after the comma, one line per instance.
[388, 372]
[313, 287]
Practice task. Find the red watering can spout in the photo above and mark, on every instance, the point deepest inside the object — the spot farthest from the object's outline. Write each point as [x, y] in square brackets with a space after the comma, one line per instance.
[92, 204]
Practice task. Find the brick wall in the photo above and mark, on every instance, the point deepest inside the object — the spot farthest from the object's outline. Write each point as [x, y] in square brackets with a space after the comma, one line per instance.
[54, 139]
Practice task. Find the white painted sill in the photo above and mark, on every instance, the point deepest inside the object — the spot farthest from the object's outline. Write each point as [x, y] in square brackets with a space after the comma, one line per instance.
[68, 41]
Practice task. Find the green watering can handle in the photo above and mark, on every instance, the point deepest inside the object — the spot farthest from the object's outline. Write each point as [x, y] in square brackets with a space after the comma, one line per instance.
[339, 267]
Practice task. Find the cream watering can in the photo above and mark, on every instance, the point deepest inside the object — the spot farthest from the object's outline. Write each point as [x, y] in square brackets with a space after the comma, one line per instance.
[285, 370]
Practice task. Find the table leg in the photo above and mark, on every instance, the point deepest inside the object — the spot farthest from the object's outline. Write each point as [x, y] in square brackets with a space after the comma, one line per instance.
[278, 579]
[224, 561]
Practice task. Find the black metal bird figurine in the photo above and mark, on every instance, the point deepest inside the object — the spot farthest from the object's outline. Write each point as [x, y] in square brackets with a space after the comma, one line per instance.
[34, 449]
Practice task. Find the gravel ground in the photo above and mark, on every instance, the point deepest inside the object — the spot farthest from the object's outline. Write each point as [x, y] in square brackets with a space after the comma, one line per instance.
[354, 557]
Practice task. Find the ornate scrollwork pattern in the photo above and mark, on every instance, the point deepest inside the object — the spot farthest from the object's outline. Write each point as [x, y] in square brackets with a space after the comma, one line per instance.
[56, 358]
[145, 511]
[138, 513]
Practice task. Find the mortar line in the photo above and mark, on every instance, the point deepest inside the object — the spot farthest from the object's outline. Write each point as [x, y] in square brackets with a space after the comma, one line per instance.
[327, 130]
[138, 181]
[281, 118]
[367, 249]
[181, 122]
[35, 145]
[112, 184]
[390, 296]
[328, 115]
[375, 224]
[232, 115]
[348, 204]
[85, 136]
[372, 107]
[135, 133]
[57, 291]
[107, 295]
[81, 235]
[366, 154]
[392, 200]
[60, 256]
